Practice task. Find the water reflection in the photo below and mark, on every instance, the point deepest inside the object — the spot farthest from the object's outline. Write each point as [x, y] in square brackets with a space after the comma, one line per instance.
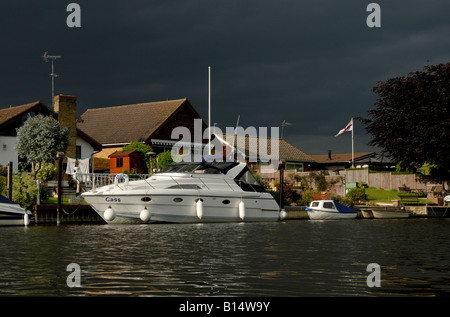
[293, 258]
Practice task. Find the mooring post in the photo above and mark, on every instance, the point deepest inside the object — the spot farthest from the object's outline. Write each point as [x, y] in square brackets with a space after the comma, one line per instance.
[9, 180]
[60, 157]
[281, 164]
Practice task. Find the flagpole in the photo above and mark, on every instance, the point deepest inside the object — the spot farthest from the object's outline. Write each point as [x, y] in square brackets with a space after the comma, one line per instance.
[353, 146]
[209, 110]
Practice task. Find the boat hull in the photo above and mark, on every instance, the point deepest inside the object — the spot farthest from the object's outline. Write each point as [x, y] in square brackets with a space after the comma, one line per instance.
[387, 214]
[326, 215]
[11, 214]
[367, 214]
[176, 208]
[12, 219]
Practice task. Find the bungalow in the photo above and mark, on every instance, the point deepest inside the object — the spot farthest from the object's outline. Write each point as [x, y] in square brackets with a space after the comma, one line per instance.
[81, 145]
[337, 162]
[262, 149]
[151, 123]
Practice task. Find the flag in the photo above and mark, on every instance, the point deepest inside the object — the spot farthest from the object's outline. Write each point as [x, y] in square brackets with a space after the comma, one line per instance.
[349, 127]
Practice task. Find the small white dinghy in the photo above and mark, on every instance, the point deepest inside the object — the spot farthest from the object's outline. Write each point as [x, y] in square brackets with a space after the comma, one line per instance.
[329, 210]
[11, 214]
[390, 214]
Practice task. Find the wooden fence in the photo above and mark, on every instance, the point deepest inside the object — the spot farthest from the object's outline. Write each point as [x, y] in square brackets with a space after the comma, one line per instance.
[378, 180]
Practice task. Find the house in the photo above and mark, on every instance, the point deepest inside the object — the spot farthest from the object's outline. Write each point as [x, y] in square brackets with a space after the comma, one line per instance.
[151, 123]
[81, 145]
[126, 161]
[337, 162]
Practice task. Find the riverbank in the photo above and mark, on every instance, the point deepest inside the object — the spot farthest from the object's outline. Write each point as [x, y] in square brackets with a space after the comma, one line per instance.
[84, 214]
[299, 212]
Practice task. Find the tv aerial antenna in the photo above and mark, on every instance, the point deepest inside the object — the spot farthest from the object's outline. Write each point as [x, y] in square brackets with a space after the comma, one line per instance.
[46, 58]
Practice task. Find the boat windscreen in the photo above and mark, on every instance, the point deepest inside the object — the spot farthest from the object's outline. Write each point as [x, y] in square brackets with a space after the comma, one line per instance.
[248, 182]
[201, 168]
[179, 168]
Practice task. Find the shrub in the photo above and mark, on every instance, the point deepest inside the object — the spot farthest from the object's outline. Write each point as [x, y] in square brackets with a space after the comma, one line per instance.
[47, 172]
[25, 190]
[356, 194]
[2, 185]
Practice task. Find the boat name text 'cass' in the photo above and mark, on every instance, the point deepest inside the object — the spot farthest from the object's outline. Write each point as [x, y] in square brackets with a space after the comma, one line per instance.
[112, 200]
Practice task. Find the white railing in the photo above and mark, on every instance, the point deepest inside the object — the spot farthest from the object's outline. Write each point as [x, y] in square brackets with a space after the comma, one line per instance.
[94, 180]
[86, 182]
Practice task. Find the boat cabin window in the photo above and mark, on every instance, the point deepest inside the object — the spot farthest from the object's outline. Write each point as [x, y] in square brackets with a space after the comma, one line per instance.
[315, 204]
[184, 186]
[328, 204]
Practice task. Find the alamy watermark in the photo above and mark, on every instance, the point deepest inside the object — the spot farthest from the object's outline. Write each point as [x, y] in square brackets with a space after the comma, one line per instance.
[374, 18]
[374, 278]
[237, 144]
[74, 278]
[74, 18]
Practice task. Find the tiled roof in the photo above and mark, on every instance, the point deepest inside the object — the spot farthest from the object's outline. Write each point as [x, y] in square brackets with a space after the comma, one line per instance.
[286, 152]
[122, 154]
[341, 158]
[11, 112]
[127, 123]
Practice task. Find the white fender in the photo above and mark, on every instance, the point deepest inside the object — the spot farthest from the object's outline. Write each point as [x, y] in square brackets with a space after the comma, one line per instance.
[109, 214]
[242, 210]
[120, 176]
[26, 220]
[283, 214]
[199, 207]
[145, 215]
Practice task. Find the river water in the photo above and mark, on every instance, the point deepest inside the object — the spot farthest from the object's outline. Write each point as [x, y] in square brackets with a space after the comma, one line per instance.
[290, 258]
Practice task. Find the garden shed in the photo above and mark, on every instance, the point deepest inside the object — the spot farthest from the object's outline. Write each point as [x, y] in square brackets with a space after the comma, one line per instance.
[126, 161]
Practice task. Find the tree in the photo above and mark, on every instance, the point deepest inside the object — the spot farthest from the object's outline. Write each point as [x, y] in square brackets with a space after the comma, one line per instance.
[39, 139]
[142, 148]
[411, 121]
[165, 159]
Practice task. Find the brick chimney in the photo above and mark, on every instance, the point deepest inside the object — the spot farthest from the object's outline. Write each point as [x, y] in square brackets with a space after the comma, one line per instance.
[66, 108]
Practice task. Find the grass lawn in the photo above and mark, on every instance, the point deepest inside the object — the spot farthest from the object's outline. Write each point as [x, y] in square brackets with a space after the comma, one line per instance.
[386, 196]
[381, 195]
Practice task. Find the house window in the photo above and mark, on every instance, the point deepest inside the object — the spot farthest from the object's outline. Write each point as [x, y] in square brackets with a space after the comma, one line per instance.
[298, 167]
[119, 162]
[78, 152]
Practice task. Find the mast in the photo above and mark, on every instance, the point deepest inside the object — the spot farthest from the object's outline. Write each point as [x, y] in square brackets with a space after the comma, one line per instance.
[209, 110]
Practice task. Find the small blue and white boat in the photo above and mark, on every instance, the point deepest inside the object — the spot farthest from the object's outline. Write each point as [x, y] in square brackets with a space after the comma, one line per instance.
[329, 210]
[11, 214]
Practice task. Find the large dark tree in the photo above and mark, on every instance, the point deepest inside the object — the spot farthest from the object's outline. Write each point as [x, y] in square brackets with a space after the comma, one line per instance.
[411, 121]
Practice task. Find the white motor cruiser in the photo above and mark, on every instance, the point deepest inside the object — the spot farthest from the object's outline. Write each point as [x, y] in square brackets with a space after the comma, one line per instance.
[329, 210]
[186, 193]
[11, 214]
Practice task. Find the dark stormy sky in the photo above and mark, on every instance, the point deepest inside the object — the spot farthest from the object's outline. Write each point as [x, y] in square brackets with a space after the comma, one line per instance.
[311, 63]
